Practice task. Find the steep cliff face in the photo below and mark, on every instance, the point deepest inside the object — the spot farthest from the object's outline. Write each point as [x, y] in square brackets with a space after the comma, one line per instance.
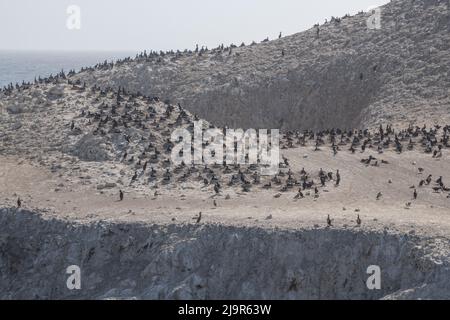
[348, 76]
[125, 260]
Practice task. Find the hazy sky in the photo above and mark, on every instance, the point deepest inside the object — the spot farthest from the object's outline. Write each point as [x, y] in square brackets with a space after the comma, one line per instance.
[134, 25]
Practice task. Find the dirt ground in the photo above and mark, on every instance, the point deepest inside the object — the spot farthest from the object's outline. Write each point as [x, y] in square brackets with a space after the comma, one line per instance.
[56, 195]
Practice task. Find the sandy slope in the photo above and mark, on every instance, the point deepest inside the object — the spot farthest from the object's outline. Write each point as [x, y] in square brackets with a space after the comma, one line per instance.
[40, 189]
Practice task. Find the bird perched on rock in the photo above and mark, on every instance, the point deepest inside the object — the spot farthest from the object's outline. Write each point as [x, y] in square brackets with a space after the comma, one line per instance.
[134, 177]
[19, 202]
[299, 195]
[216, 188]
[199, 218]
[415, 194]
[379, 195]
[358, 220]
[120, 195]
[338, 178]
[329, 221]
[437, 189]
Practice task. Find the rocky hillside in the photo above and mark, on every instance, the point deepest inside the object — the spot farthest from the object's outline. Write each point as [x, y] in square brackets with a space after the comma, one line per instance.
[110, 136]
[338, 74]
[86, 179]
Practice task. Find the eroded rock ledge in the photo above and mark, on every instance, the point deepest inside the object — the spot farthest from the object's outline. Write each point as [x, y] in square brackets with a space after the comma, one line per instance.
[149, 261]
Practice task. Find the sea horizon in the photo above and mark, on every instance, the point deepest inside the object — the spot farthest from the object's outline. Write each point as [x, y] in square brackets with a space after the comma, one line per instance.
[17, 65]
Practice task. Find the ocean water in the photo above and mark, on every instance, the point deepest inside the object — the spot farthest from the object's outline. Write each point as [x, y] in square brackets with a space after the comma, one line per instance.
[18, 66]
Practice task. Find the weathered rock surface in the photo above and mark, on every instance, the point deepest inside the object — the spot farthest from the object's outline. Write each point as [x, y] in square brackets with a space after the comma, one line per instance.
[126, 260]
[349, 76]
